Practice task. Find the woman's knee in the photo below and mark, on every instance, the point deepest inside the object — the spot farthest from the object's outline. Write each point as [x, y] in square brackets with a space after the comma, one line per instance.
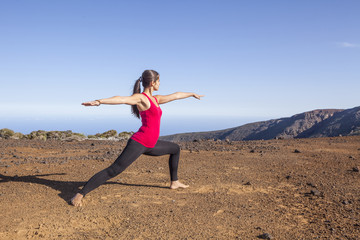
[176, 149]
[113, 170]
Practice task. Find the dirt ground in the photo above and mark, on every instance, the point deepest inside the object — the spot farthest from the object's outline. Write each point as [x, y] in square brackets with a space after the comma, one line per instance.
[287, 189]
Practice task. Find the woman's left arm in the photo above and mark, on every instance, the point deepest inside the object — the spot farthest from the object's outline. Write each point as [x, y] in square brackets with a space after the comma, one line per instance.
[175, 96]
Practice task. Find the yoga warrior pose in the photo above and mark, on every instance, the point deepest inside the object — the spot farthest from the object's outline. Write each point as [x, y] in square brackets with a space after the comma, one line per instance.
[145, 140]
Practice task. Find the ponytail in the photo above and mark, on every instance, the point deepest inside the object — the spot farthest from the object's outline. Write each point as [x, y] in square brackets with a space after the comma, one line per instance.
[146, 78]
[137, 89]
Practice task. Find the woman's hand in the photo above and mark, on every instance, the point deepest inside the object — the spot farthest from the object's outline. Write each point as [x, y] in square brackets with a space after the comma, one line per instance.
[198, 96]
[91, 103]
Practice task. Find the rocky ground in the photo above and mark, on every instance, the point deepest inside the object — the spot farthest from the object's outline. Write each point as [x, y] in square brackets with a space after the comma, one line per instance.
[275, 189]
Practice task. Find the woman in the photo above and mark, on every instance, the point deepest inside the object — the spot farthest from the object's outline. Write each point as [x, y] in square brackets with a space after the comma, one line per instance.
[145, 140]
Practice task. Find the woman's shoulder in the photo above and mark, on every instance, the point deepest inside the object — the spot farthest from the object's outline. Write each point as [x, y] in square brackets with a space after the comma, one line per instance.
[138, 95]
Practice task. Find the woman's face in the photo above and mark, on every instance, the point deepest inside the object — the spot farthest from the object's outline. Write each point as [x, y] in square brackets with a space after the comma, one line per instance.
[156, 84]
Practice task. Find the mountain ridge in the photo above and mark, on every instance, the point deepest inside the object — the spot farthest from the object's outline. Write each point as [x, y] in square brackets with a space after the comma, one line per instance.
[314, 123]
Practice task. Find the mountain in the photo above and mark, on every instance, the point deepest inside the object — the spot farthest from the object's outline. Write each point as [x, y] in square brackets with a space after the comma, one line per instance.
[316, 123]
[342, 123]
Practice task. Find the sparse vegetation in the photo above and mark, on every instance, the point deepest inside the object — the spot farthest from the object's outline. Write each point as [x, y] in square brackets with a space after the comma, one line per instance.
[39, 134]
[125, 134]
[6, 133]
[107, 134]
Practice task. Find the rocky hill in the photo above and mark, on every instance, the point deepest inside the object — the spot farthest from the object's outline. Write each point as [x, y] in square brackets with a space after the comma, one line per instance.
[316, 123]
[344, 123]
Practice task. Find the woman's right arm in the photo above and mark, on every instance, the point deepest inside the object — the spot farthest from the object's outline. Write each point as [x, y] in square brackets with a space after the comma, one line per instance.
[134, 99]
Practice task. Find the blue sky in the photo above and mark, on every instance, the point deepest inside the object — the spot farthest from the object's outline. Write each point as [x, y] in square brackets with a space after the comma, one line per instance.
[254, 60]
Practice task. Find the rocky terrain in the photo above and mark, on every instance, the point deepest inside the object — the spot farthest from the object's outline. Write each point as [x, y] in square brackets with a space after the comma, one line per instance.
[274, 189]
[316, 123]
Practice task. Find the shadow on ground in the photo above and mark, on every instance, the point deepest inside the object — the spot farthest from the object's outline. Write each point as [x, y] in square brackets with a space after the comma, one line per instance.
[67, 188]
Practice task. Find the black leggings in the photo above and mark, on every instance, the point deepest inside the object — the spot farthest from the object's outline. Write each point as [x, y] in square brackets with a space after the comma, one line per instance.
[130, 153]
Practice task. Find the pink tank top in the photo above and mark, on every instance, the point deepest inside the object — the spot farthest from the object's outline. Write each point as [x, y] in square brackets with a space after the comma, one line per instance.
[149, 132]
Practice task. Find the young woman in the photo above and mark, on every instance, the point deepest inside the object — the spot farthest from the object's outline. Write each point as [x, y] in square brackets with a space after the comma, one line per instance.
[145, 140]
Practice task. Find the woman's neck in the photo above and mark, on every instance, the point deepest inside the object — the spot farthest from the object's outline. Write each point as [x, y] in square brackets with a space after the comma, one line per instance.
[148, 91]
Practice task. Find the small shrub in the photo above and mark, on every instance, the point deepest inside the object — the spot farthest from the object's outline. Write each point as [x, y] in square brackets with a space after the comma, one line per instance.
[6, 133]
[17, 135]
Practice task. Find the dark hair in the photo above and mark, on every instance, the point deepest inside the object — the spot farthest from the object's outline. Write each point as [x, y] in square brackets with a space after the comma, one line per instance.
[146, 78]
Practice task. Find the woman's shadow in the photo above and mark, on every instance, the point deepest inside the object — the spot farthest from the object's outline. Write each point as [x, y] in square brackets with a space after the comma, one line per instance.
[67, 188]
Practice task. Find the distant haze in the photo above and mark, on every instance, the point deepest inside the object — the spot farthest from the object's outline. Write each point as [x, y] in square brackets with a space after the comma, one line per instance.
[93, 126]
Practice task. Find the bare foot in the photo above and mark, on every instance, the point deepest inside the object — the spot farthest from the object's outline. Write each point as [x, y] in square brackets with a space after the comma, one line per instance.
[76, 200]
[177, 184]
